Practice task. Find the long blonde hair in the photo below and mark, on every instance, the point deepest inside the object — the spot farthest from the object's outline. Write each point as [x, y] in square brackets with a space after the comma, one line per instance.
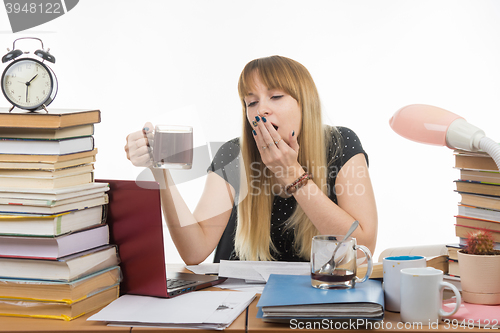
[253, 236]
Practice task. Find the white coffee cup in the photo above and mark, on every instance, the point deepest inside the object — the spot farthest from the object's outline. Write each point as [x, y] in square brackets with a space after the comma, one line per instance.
[422, 295]
[392, 277]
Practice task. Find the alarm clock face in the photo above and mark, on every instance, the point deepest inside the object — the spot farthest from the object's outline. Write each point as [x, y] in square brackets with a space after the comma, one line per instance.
[29, 84]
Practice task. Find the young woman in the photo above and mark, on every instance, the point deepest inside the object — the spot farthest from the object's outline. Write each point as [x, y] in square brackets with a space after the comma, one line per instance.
[288, 177]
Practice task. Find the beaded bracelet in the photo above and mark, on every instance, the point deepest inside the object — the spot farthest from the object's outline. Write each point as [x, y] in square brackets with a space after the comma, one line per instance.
[301, 181]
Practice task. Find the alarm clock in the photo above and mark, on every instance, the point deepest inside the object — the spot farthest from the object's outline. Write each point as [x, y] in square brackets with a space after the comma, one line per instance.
[27, 82]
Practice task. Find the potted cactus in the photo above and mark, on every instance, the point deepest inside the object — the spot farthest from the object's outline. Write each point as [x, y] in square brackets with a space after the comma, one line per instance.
[479, 266]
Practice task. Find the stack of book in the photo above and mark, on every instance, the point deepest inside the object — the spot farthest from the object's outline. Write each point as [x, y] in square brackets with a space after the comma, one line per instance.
[479, 206]
[55, 256]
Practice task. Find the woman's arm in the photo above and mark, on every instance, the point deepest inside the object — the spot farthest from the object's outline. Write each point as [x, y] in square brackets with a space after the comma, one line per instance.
[194, 234]
[197, 234]
[356, 201]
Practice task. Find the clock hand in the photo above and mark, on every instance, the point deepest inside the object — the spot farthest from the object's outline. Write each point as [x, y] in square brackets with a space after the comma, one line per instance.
[32, 79]
[27, 86]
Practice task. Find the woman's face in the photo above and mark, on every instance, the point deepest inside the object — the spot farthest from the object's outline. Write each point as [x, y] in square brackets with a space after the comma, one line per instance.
[279, 108]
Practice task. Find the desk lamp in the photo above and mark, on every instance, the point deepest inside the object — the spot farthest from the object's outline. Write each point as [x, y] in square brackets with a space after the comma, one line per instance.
[436, 126]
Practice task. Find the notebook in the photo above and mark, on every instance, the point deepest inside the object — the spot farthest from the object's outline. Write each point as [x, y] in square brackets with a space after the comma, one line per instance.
[288, 297]
[135, 222]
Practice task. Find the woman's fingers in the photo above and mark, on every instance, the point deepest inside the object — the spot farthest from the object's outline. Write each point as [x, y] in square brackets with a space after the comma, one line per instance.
[138, 146]
[148, 133]
[266, 135]
[269, 134]
[258, 136]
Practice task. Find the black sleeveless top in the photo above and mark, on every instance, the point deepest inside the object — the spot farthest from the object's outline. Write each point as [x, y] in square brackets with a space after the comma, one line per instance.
[226, 164]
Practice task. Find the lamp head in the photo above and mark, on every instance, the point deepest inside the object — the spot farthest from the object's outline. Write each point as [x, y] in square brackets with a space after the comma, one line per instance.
[432, 125]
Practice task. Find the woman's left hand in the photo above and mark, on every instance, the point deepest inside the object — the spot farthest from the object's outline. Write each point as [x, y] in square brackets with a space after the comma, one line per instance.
[279, 156]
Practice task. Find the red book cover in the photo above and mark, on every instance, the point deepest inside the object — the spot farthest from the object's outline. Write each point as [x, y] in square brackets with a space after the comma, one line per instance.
[133, 215]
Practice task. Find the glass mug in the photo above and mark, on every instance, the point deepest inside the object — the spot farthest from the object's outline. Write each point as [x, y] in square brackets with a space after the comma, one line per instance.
[344, 274]
[173, 147]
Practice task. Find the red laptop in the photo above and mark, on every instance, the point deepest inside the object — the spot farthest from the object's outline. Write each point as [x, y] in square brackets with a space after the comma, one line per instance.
[135, 221]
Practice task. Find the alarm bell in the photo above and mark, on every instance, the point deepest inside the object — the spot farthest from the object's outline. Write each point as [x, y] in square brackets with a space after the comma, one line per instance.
[45, 55]
[12, 55]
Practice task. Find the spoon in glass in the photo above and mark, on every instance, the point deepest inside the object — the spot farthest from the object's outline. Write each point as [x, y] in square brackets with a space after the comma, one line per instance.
[329, 266]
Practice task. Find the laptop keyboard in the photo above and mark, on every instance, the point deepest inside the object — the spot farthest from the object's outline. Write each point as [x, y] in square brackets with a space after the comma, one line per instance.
[176, 283]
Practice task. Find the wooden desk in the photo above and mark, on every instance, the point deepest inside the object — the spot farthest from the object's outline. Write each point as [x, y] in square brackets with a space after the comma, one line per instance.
[390, 323]
[246, 322]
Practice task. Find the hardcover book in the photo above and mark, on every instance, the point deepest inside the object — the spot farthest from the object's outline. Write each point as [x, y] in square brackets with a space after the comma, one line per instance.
[66, 268]
[51, 225]
[83, 202]
[58, 310]
[47, 134]
[56, 118]
[49, 197]
[46, 147]
[60, 291]
[8, 161]
[53, 247]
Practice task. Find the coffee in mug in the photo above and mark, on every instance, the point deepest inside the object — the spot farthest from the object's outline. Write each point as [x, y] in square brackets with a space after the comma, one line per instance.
[344, 274]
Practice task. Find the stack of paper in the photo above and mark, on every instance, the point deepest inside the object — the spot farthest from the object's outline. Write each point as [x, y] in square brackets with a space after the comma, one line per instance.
[292, 297]
[250, 276]
[201, 309]
[259, 271]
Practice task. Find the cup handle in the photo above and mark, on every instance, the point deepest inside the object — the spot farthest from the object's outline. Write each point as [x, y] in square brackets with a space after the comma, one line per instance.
[368, 255]
[458, 299]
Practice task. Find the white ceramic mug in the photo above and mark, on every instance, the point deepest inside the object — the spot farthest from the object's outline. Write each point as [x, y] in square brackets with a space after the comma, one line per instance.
[392, 277]
[422, 295]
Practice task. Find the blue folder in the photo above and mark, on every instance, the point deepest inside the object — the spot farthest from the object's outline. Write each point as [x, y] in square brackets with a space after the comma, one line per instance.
[290, 290]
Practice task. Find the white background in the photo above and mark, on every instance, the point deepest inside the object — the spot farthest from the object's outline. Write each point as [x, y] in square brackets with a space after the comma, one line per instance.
[167, 61]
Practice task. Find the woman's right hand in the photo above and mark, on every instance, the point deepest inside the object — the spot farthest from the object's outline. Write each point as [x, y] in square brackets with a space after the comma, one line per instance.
[138, 146]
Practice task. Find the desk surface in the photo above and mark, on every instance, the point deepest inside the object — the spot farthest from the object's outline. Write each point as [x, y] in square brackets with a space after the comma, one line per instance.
[389, 324]
[246, 322]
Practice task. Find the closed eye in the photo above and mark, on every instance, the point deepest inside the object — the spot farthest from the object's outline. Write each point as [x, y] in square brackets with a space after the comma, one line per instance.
[276, 96]
[251, 104]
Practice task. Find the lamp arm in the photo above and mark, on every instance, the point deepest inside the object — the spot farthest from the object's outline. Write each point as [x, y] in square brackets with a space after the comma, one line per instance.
[492, 148]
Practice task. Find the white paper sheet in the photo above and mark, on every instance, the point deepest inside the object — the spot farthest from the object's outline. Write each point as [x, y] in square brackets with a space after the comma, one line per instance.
[242, 285]
[260, 270]
[214, 309]
[212, 268]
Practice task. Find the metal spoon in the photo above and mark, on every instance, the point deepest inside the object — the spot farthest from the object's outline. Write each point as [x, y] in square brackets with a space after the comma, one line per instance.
[329, 266]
